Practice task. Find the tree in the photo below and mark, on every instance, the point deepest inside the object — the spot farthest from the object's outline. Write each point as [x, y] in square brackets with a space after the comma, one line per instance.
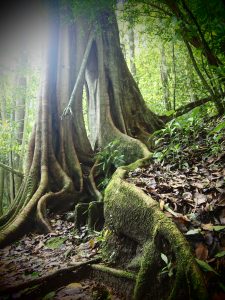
[60, 158]
[58, 146]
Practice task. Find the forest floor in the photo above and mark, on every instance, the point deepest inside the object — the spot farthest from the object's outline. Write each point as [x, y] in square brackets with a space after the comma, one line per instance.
[189, 185]
[38, 256]
[186, 177]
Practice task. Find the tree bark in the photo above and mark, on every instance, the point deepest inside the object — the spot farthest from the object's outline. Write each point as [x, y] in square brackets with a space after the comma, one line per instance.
[1, 190]
[132, 51]
[165, 79]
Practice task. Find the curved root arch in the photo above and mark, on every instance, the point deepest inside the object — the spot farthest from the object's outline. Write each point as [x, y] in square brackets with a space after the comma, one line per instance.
[130, 212]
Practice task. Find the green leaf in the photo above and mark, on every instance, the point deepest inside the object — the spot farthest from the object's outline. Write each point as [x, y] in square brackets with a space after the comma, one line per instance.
[55, 242]
[169, 112]
[193, 231]
[218, 227]
[166, 206]
[217, 128]
[222, 286]
[164, 258]
[205, 266]
[170, 274]
[220, 254]
[49, 296]
[34, 274]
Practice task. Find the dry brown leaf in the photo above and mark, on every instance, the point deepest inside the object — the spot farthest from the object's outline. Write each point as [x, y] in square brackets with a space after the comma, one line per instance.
[208, 227]
[201, 251]
[198, 184]
[199, 198]
[161, 204]
[222, 216]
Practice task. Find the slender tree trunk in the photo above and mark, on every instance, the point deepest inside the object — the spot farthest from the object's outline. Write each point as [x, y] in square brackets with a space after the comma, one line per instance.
[2, 173]
[165, 79]
[11, 179]
[174, 76]
[190, 82]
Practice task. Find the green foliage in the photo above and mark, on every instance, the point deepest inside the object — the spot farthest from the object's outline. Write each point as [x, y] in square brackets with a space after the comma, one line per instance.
[220, 254]
[109, 159]
[205, 266]
[49, 296]
[90, 8]
[101, 236]
[154, 24]
[55, 242]
[187, 133]
[169, 268]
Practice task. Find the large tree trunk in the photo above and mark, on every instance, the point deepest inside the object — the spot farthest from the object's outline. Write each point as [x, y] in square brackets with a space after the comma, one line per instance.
[54, 176]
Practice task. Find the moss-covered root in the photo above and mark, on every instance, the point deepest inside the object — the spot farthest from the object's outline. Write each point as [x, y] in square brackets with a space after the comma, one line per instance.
[80, 215]
[119, 280]
[134, 214]
[186, 281]
[95, 216]
[90, 214]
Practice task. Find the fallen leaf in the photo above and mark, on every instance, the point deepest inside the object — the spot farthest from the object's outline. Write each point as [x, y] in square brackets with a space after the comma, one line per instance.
[193, 231]
[201, 251]
[161, 204]
[74, 285]
[208, 227]
[166, 206]
[197, 184]
[199, 198]
[222, 217]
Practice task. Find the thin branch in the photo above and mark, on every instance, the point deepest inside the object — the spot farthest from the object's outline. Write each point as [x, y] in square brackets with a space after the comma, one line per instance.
[157, 7]
[188, 107]
[68, 109]
[16, 172]
[195, 65]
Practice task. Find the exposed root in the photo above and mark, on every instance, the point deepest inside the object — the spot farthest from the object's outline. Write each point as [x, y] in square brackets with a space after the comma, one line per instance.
[58, 275]
[130, 212]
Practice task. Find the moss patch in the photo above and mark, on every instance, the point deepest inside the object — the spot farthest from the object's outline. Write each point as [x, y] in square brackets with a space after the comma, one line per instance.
[55, 242]
[130, 212]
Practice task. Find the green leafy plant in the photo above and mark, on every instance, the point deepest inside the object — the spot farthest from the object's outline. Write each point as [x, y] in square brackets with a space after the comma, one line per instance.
[101, 236]
[192, 133]
[169, 268]
[109, 159]
[205, 266]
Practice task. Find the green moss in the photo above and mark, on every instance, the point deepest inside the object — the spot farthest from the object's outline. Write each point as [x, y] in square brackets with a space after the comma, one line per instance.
[95, 216]
[80, 215]
[130, 212]
[115, 272]
[55, 242]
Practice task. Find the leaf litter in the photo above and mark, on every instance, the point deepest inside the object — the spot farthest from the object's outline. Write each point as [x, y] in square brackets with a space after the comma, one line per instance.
[190, 189]
[37, 255]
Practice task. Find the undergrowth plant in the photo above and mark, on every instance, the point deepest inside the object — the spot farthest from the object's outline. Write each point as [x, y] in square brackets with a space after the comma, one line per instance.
[109, 159]
[190, 133]
[169, 267]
